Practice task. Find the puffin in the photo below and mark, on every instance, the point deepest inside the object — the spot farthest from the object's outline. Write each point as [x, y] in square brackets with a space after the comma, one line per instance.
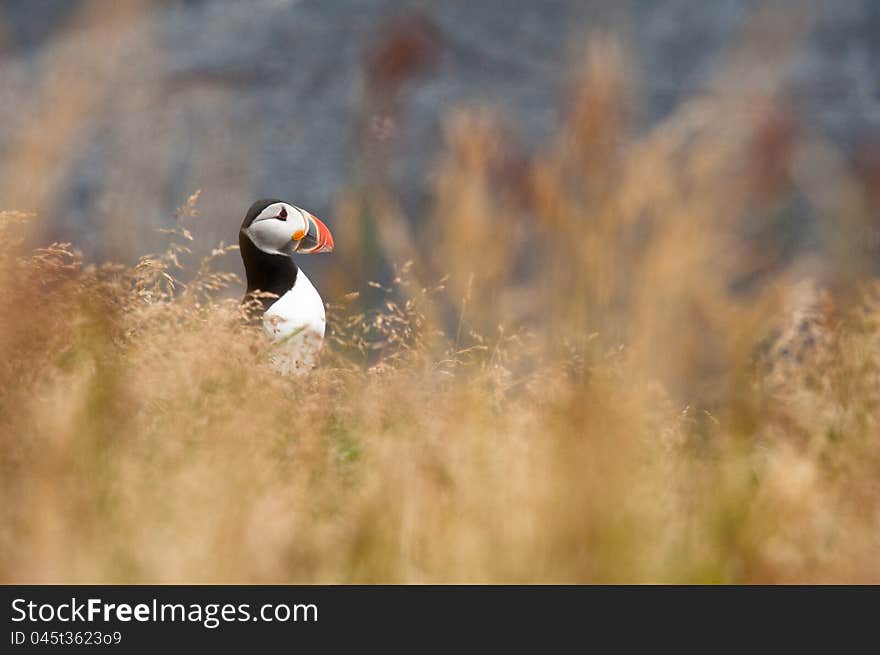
[293, 315]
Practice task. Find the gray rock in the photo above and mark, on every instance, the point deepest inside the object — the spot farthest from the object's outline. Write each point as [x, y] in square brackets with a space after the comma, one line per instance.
[261, 98]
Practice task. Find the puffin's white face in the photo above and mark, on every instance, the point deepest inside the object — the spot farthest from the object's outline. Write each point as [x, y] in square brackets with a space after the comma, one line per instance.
[282, 229]
[278, 228]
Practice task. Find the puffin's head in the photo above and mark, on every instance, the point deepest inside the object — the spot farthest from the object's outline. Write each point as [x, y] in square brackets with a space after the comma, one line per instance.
[279, 228]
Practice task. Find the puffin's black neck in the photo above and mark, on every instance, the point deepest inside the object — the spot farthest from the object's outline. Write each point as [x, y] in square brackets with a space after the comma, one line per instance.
[264, 272]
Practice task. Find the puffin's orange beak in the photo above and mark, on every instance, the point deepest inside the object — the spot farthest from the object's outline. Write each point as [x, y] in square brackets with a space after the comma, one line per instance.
[316, 239]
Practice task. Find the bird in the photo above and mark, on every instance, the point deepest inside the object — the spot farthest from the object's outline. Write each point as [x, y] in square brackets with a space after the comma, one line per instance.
[288, 305]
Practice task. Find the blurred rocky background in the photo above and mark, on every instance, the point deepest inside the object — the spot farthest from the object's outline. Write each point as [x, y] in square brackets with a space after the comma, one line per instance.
[113, 113]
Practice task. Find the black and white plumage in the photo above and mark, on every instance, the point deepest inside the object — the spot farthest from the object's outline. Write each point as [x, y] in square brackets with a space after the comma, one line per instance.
[272, 231]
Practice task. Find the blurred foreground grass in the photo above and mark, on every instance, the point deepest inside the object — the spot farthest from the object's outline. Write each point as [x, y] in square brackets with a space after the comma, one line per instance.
[593, 371]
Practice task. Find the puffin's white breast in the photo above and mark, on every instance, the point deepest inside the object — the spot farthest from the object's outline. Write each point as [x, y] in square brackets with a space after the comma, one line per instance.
[296, 323]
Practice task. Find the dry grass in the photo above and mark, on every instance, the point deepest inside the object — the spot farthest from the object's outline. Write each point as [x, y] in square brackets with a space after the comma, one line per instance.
[591, 375]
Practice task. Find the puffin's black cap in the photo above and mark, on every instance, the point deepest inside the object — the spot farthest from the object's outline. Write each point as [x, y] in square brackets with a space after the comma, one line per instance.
[255, 210]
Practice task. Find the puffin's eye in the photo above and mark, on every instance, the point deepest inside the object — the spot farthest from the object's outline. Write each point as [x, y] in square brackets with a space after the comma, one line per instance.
[283, 215]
